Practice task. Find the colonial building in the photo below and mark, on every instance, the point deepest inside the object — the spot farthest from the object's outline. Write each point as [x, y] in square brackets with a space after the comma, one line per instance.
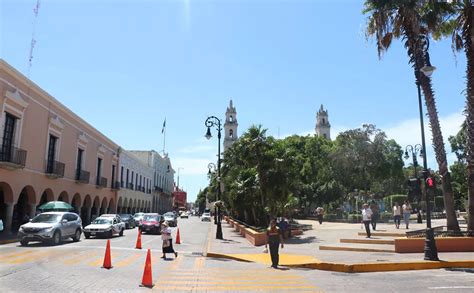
[136, 180]
[49, 153]
[179, 198]
[163, 179]
[323, 127]
[230, 126]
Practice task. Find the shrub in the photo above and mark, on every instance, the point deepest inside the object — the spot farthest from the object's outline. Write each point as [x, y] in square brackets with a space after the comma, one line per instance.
[354, 218]
[330, 217]
[390, 200]
[385, 216]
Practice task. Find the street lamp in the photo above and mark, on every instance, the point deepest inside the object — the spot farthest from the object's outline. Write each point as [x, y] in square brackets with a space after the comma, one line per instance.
[212, 121]
[431, 253]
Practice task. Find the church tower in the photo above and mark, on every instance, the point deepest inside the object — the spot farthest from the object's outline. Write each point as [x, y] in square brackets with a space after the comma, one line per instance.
[323, 128]
[230, 126]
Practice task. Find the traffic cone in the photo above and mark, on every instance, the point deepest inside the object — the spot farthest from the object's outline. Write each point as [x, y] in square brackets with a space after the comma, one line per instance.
[147, 274]
[107, 258]
[139, 240]
[178, 238]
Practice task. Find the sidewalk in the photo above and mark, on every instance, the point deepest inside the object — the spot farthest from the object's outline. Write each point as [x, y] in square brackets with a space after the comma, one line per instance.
[304, 250]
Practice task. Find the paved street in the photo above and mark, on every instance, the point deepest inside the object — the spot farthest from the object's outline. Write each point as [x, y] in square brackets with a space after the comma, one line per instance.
[77, 267]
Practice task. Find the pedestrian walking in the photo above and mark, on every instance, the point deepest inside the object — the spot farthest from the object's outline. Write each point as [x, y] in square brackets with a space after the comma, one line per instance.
[319, 214]
[167, 240]
[375, 214]
[397, 214]
[274, 239]
[366, 218]
[406, 212]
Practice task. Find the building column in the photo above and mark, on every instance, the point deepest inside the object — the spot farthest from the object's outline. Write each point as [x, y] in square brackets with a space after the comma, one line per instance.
[8, 218]
[88, 215]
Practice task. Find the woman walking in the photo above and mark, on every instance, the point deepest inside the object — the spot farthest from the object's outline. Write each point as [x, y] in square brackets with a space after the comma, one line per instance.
[407, 212]
[167, 240]
[366, 218]
[274, 239]
[397, 215]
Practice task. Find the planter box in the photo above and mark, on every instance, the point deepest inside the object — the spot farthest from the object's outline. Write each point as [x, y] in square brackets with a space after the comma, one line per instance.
[254, 237]
[445, 244]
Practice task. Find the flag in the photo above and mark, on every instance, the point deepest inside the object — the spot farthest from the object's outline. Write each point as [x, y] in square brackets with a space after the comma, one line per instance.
[164, 125]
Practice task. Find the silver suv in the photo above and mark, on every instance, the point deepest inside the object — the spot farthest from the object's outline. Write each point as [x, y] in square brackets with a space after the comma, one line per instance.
[51, 227]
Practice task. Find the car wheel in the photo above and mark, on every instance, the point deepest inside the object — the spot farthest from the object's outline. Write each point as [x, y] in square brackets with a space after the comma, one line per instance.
[56, 238]
[77, 236]
[121, 232]
[24, 242]
[87, 235]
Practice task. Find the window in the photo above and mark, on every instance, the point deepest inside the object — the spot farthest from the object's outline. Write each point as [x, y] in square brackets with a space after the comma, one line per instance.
[324, 121]
[136, 182]
[51, 153]
[8, 137]
[80, 154]
[113, 176]
[131, 179]
[99, 170]
[231, 133]
[121, 176]
[231, 119]
[324, 135]
[128, 186]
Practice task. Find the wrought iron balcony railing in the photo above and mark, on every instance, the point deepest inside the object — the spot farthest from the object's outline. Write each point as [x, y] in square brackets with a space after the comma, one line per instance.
[82, 176]
[13, 157]
[54, 169]
[116, 185]
[101, 182]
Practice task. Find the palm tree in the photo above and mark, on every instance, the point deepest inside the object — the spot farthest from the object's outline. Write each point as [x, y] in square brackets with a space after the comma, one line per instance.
[410, 20]
[462, 30]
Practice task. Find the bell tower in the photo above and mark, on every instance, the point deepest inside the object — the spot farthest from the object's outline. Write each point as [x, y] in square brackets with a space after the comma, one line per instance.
[230, 126]
[323, 127]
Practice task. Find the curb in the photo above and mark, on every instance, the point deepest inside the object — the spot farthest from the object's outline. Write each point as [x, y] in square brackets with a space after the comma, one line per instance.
[383, 234]
[7, 241]
[366, 241]
[356, 249]
[368, 267]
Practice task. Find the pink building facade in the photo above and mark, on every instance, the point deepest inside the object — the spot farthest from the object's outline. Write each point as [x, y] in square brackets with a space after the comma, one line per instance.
[49, 153]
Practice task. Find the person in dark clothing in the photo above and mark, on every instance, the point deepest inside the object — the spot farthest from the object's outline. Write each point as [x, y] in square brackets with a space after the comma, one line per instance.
[167, 246]
[375, 214]
[274, 239]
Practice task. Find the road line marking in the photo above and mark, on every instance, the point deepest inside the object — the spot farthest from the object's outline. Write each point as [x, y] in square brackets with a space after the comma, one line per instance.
[129, 260]
[452, 287]
[232, 277]
[30, 258]
[234, 288]
[13, 255]
[233, 282]
[99, 261]
[80, 258]
[198, 263]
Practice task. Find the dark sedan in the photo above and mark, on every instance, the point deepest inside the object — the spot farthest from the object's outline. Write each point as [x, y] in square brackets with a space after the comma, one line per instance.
[151, 223]
[128, 220]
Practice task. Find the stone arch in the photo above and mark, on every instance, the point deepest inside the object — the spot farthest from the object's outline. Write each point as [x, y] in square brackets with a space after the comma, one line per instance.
[86, 210]
[6, 193]
[95, 210]
[24, 208]
[6, 204]
[130, 206]
[76, 203]
[112, 208]
[63, 196]
[120, 205]
[46, 196]
[135, 208]
[103, 206]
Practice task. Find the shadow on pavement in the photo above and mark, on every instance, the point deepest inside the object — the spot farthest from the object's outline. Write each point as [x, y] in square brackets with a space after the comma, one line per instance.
[298, 240]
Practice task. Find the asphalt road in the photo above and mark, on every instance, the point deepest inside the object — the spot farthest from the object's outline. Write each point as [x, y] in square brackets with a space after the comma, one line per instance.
[77, 267]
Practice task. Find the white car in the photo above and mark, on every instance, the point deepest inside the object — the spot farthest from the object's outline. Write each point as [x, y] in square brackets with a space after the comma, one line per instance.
[206, 217]
[105, 226]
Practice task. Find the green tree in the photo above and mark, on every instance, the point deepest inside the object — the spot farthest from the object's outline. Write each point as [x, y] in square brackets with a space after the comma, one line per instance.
[412, 20]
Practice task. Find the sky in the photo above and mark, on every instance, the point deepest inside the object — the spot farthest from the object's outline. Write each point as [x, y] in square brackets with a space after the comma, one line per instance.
[125, 66]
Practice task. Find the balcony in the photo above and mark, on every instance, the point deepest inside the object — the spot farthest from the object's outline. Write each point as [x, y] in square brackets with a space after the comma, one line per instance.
[116, 185]
[130, 186]
[82, 176]
[159, 189]
[12, 157]
[143, 189]
[54, 169]
[101, 182]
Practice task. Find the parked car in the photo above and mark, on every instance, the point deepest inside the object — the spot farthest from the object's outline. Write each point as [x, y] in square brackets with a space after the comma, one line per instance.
[51, 227]
[105, 226]
[128, 220]
[184, 215]
[206, 217]
[171, 219]
[138, 218]
[152, 223]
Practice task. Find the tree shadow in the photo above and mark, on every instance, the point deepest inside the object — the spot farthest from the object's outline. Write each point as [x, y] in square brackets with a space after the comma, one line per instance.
[299, 240]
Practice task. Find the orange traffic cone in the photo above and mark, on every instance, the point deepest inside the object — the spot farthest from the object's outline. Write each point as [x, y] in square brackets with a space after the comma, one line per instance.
[147, 274]
[178, 238]
[139, 240]
[107, 258]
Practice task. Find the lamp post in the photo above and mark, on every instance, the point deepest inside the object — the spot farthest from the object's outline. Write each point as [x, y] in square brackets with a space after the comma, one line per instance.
[212, 121]
[431, 253]
[413, 151]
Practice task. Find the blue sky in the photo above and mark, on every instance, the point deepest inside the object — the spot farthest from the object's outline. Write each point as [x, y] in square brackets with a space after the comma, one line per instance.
[140, 61]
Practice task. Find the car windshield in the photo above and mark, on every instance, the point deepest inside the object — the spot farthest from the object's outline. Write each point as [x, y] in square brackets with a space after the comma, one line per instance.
[206, 215]
[138, 215]
[150, 218]
[101, 221]
[169, 215]
[124, 217]
[47, 218]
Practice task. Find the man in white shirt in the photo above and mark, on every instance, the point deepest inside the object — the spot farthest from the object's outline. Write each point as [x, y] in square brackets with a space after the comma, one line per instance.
[366, 218]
